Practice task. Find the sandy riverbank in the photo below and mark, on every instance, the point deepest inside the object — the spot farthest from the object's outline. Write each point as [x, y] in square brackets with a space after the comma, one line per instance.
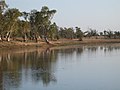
[62, 42]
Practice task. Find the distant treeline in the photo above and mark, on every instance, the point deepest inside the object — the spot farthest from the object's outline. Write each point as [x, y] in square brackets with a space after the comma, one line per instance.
[37, 25]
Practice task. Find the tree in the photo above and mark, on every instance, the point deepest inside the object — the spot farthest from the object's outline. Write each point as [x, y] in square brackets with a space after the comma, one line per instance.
[24, 29]
[92, 32]
[46, 16]
[41, 21]
[79, 33]
[3, 5]
[109, 34]
[25, 25]
[101, 33]
[2, 22]
[53, 31]
[11, 17]
[25, 15]
[66, 33]
[105, 33]
[62, 33]
[116, 34]
[33, 26]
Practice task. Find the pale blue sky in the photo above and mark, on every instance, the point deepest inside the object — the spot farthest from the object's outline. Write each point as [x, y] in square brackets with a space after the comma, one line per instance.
[96, 14]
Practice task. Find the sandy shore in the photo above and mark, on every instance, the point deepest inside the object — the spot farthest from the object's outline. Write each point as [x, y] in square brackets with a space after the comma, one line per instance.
[62, 42]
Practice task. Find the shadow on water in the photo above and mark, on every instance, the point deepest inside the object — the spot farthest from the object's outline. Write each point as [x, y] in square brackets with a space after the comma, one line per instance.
[36, 64]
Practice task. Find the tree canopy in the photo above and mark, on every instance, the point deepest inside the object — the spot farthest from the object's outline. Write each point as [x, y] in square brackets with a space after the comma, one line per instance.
[38, 25]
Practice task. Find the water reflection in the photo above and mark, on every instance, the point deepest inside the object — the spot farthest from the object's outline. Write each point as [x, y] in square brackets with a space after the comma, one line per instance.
[37, 65]
[105, 48]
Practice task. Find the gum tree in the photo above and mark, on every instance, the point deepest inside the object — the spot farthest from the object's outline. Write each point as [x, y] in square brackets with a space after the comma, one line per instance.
[3, 6]
[40, 22]
[11, 18]
[79, 33]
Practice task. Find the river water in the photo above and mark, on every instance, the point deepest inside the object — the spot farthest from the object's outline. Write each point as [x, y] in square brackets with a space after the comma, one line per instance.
[62, 68]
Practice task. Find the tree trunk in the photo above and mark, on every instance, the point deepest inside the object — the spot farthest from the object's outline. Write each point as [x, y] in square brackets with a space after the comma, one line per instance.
[51, 38]
[1, 38]
[8, 36]
[36, 39]
[80, 39]
[25, 37]
[46, 40]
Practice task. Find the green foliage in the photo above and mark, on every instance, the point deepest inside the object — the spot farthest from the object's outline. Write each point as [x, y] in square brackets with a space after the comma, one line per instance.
[35, 24]
[11, 18]
[67, 33]
[53, 31]
[79, 33]
[41, 21]
[91, 32]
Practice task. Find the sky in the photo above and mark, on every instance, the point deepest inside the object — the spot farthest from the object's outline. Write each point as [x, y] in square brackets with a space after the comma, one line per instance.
[96, 14]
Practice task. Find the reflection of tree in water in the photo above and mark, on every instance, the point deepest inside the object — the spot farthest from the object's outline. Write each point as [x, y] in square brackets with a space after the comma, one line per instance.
[41, 64]
[70, 51]
[1, 79]
[67, 50]
[80, 50]
[11, 80]
[111, 48]
[92, 48]
[7, 71]
[106, 48]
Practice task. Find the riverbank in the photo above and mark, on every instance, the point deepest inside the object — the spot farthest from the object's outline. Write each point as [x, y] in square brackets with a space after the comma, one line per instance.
[62, 42]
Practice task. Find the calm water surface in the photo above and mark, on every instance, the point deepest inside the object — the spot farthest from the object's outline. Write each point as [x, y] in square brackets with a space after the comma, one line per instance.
[73, 68]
